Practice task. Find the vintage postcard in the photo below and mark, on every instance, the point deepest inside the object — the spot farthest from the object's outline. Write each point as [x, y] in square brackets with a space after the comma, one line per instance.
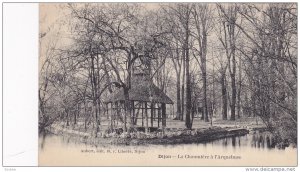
[168, 84]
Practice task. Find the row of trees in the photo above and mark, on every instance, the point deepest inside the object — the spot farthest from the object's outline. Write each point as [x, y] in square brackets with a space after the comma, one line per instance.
[237, 58]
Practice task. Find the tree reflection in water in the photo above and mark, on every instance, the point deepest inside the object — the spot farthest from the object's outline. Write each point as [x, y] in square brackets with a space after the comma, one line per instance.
[254, 140]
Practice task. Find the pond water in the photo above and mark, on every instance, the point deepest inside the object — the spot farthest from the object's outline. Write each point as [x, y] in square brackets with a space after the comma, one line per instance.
[254, 149]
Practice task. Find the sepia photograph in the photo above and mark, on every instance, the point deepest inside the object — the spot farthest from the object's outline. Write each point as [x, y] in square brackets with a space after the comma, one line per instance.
[167, 84]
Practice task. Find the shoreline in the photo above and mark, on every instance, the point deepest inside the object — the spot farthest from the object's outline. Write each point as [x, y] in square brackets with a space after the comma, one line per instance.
[169, 137]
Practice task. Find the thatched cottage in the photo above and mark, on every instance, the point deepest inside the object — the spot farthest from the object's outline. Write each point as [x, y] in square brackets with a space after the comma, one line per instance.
[148, 104]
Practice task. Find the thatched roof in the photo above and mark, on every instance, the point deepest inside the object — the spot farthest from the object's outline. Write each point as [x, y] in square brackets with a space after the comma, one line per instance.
[141, 86]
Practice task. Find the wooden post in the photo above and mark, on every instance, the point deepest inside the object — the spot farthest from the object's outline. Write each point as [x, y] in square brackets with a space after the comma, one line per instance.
[111, 117]
[142, 114]
[125, 116]
[115, 113]
[146, 113]
[158, 115]
[112, 114]
[173, 112]
[152, 112]
[133, 113]
[164, 121]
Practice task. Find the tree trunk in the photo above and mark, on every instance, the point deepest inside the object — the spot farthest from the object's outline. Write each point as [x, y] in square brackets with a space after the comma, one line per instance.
[233, 100]
[203, 60]
[205, 109]
[188, 78]
[188, 93]
[127, 107]
[233, 72]
[178, 113]
[239, 91]
[224, 97]
[182, 87]
[96, 117]
[75, 116]
[67, 118]
[94, 93]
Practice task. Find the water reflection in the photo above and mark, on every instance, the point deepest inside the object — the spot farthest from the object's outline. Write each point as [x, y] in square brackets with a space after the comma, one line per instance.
[254, 148]
[262, 139]
[42, 140]
[257, 140]
[233, 141]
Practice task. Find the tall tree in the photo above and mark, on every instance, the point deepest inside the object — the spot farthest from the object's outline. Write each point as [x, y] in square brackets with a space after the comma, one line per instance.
[230, 14]
[202, 16]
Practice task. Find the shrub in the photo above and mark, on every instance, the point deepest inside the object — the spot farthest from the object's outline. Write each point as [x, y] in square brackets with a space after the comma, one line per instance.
[125, 135]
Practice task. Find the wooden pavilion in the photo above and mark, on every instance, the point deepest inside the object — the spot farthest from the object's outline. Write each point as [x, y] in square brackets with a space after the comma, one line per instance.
[148, 105]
